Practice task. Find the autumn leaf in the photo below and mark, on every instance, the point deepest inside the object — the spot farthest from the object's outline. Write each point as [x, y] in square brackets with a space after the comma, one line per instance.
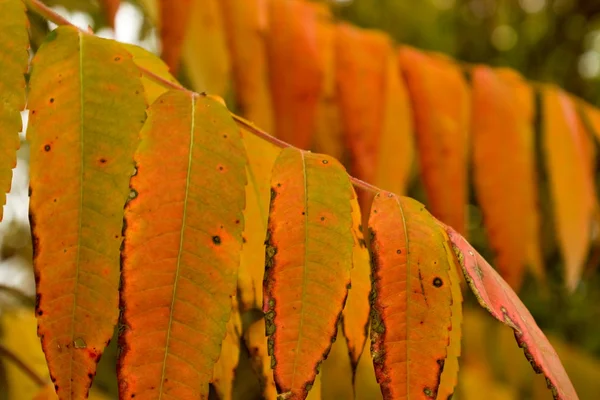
[440, 99]
[295, 73]
[256, 342]
[225, 367]
[205, 55]
[416, 301]
[150, 63]
[494, 294]
[365, 381]
[110, 8]
[246, 26]
[308, 261]
[86, 109]
[567, 156]
[356, 314]
[261, 158]
[174, 17]
[179, 270]
[14, 59]
[504, 172]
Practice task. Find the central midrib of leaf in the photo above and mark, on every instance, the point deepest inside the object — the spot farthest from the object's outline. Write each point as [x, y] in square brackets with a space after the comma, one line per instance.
[185, 203]
[82, 168]
[304, 271]
[408, 276]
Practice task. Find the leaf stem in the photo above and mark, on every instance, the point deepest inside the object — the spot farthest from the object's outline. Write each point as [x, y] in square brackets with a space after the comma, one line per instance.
[8, 354]
[44, 11]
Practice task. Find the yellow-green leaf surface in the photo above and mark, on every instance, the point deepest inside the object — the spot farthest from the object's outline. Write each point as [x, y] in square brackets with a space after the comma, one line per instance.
[261, 157]
[416, 301]
[86, 107]
[507, 191]
[182, 247]
[224, 371]
[569, 165]
[355, 318]
[205, 53]
[256, 342]
[150, 62]
[246, 26]
[337, 377]
[13, 59]
[308, 259]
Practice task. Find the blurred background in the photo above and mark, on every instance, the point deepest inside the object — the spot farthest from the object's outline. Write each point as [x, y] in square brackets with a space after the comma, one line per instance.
[546, 40]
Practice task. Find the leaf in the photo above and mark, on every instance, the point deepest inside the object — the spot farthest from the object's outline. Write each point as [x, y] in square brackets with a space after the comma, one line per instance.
[498, 299]
[205, 54]
[246, 26]
[361, 71]
[440, 99]
[110, 10]
[225, 367]
[261, 158]
[256, 342]
[86, 109]
[309, 242]
[174, 18]
[296, 76]
[416, 301]
[19, 337]
[355, 317]
[14, 59]
[570, 172]
[504, 173]
[328, 136]
[144, 59]
[336, 371]
[365, 382]
[180, 270]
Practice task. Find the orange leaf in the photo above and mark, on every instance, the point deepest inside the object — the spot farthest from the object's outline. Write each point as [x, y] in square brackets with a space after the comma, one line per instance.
[440, 98]
[499, 299]
[174, 18]
[256, 342]
[14, 59]
[182, 247]
[355, 318]
[309, 256]
[86, 109]
[569, 164]
[245, 22]
[296, 75]
[504, 172]
[110, 9]
[361, 73]
[416, 301]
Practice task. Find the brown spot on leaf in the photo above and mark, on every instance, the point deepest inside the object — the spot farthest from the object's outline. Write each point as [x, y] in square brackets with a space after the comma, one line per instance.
[216, 240]
[437, 282]
[47, 147]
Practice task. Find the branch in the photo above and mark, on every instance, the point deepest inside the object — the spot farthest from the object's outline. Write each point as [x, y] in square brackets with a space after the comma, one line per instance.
[44, 11]
[8, 354]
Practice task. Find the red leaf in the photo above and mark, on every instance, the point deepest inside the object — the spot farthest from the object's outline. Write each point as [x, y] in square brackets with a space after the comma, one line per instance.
[494, 294]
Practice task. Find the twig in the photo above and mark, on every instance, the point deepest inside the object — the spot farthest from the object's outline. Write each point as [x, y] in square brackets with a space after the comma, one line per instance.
[46, 12]
[8, 354]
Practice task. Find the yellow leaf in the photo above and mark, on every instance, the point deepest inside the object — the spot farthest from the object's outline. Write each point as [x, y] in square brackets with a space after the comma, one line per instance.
[14, 59]
[86, 109]
[336, 371]
[256, 341]
[182, 246]
[224, 371]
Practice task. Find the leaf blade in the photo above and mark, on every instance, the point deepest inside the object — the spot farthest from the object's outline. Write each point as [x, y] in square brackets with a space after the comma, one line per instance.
[81, 161]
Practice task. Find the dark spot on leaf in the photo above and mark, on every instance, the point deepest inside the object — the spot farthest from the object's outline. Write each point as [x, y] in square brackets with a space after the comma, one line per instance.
[278, 184]
[90, 375]
[303, 213]
[437, 282]
[117, 58]
[47, 147]
[428, 392]
[225, 136]
[243, 239]
[398, 251]
[55, 200]
[374, 211]
[237, 221]
[40, 312]
[56, 387]
[220, 168]
[102, 161]
[325, 161]
[32, 111]
[322, 218]
[137, 92]
[216, 239]
[51, 100]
